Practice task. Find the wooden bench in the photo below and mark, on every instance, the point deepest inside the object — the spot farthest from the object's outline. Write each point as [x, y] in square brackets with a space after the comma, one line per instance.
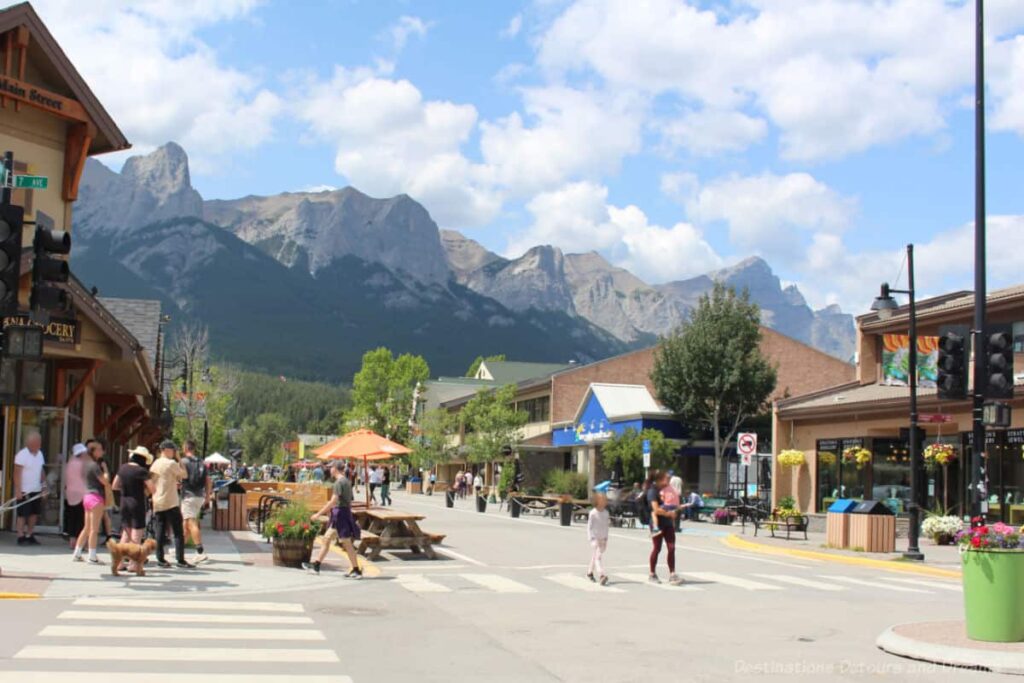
[790, 522]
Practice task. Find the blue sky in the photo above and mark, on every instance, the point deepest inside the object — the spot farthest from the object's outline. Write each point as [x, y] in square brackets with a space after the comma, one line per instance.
[673, 137]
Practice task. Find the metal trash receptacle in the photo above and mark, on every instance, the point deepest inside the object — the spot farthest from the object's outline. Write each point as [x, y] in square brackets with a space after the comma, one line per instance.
[873, 527]
[837, 523]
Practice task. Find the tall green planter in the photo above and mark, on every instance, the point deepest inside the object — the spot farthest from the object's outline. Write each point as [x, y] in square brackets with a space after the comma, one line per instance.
[994, 595]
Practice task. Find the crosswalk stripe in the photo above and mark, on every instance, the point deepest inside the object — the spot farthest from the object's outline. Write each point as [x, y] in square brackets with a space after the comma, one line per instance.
[417, 583]
[642, 578]
[174, 654]
[956, 587]
[183, 617]
[164, 677]
[181, 633]
[498, 584]
[581, 583]
[715, 577]
[227, 605]
[800, 581]
[875, 584]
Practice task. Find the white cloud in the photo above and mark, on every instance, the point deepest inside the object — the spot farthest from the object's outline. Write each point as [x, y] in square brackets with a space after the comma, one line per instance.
[708, 132]
[403, 29]
[514, 26]
[577, 217]
[159, 81]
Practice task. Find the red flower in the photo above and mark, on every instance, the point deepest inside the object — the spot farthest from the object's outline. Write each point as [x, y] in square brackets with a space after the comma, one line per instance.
[293, 522]
[280, 527]
[975, 541]
[305, 526]
[983, 529]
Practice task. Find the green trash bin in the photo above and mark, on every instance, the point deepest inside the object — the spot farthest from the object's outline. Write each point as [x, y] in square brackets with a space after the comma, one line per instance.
[994, 595]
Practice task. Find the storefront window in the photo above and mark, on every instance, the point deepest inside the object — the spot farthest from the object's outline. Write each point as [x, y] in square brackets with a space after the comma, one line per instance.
[891, 474]
[943, 482]
[853, 479]
[828, 472]
[1006, 476]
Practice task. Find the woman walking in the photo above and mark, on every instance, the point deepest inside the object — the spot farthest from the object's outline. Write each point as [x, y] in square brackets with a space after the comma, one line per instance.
[663, 520]
[385, 486]
[96, 485]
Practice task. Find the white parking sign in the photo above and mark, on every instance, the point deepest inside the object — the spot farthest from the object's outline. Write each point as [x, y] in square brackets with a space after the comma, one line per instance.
[746, 446]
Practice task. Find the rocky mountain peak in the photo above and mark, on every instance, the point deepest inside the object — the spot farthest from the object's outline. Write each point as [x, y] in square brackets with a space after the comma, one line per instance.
[464, 254]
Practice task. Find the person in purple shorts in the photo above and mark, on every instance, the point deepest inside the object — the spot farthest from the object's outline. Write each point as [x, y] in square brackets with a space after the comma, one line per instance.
[342, 524]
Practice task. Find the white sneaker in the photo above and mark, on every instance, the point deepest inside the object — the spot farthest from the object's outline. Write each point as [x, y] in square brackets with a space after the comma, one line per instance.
[77, 557]
[200, 558]
[95, 560]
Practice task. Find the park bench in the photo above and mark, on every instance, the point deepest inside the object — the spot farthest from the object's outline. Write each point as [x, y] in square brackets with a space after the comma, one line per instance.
[789, 522]
[707, 511]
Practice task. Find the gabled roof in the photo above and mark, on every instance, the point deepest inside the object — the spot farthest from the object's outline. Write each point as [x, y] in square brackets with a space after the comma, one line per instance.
[514, 372]
[621, 401]
[950, 304]
[141, 317]
[44, 50]
[436, 392]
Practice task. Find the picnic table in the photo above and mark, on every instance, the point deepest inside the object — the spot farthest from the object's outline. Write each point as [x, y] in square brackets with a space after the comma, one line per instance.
[388, 529]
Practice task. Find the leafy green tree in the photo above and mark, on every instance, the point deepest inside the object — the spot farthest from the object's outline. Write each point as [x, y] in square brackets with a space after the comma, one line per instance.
[711, 372]
[382, 393]
[492, 423]
[480, 360]
[434, 444]
[210, 400]
[629, 446]
[263, 438]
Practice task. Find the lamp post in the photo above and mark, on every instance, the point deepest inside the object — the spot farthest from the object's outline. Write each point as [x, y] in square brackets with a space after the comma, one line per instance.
[884, 305]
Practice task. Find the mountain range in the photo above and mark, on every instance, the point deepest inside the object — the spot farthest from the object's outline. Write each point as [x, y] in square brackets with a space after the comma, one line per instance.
[302, 283]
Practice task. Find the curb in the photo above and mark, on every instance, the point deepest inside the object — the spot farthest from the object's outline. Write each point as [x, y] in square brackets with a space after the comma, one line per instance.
[738, 543]
[946, 655]
[370, 570]
[20, 596]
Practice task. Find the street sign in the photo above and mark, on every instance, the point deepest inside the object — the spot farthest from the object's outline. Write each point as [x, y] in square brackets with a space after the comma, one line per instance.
[647, 453]
[746, 446]
[31, 182]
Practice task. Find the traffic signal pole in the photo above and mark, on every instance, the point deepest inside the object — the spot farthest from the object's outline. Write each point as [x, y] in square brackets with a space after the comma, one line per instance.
[977, 492]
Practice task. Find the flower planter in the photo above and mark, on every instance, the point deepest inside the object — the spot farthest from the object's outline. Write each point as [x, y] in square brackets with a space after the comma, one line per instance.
[994, 595]
[291, 552]
[943, 539]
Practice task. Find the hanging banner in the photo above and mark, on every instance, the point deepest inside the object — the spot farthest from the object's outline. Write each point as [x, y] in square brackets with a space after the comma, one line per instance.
[896, 360]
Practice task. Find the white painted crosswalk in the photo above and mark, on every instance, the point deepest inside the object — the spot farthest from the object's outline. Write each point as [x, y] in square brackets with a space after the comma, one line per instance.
[498, 583]
[880, 585]
[803, 582]
[730, 580]
[581, 583]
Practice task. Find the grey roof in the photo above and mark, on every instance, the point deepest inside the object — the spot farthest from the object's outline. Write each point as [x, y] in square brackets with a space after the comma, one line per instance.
[944, 304]
[438, 391]
[514, 372]
[141, 317]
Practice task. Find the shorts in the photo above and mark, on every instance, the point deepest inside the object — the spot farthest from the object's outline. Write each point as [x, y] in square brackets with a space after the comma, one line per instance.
[93, 500]
[191, 506]
[32, 508]
[133, 513]
[342, 525]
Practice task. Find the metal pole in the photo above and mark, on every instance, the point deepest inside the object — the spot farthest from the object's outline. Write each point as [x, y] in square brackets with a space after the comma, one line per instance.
[5, 197]
[913, 551]
[206, 435]
[977, 505]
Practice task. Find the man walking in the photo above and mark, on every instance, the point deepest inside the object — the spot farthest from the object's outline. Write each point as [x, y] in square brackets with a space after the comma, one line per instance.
[29, 466]
[375, 482]
[166, 474]
[341, 525]
[196, 492]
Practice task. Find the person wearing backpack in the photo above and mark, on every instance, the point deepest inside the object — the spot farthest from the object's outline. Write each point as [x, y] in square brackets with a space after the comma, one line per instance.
[196, 490]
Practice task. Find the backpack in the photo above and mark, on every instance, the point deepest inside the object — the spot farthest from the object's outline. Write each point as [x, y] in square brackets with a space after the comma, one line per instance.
[196, 481]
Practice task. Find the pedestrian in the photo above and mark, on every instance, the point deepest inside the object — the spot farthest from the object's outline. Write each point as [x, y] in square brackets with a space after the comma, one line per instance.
[108, 500]
[598, 522]
[385, 486]
[458, 484]
[433, 480]
[29, 489]
[133, 483]
[676, 482]
[196, 493]
[96, 485]
[478, 483]
[693, 505]
[74, 492]
[341, 525]
[167, 474]
[665, 522]
[375, 481]
[289, 475]
[670, 500]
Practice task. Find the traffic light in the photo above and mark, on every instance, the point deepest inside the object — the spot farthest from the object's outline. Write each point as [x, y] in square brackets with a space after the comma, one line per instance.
[952, 365]
[999, 357]
[12, 219]
[47, 269]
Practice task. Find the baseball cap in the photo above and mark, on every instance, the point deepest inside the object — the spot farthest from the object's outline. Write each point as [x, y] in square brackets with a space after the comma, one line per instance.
[78, 449]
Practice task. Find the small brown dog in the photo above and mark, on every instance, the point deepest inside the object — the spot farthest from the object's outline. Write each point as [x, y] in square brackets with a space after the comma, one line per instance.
[132, 551]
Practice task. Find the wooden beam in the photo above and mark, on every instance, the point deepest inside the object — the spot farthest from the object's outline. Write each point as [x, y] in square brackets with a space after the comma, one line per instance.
[72, 363]
[76, 151]
[115, 399]
[41, 98]
[80, 389]
[127, 427]
[21, 40]
[60, 378]
[115, 416]
[5, 46]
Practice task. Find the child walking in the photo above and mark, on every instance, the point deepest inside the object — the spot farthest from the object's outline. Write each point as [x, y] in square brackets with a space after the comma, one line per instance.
[597, 531]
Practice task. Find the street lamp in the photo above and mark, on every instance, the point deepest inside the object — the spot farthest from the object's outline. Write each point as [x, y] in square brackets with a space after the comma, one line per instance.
[884, 305]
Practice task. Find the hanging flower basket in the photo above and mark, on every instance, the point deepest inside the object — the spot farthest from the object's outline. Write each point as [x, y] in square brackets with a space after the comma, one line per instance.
[939, 454]
[792, 458]
[826, 458]
[993, 577]
[857, 455]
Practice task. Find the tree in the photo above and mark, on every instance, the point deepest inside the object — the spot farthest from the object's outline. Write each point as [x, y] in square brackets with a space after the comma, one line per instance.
[212, 399]
[480, 360]
[711, 372]
[263, 438]
[434, 444]
[382, 393]
[629, 446]
[492, 423]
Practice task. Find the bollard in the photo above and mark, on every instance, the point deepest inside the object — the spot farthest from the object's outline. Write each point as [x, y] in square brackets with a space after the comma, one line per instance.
[566, 513]
[449, 499]
[513, 507]
[481, 503]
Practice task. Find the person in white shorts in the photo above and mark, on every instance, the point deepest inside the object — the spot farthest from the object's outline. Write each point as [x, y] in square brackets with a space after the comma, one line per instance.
[196, 492]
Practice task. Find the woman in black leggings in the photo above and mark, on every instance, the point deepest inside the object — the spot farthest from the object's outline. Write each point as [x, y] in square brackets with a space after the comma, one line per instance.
[664, 532]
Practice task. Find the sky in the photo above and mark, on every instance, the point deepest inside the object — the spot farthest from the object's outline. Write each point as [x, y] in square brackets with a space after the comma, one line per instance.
[672, 136]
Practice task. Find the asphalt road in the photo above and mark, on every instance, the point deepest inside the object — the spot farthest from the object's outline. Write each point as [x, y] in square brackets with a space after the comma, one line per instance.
[507, 602]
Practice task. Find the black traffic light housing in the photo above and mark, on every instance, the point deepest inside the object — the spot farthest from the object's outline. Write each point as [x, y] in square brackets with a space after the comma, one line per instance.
[12, 220]
[999, 360]
[47, 269]
[954, 347]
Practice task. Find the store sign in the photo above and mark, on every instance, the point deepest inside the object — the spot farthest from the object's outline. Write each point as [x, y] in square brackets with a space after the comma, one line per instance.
[58, 330]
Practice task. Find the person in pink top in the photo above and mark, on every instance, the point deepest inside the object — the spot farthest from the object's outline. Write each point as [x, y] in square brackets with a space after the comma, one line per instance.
[74, 493]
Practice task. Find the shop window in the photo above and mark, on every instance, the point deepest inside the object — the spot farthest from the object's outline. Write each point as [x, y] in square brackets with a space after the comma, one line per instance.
[828, 472]
[890, 475]
[1018, 337]
[538, 409]
[853, 478]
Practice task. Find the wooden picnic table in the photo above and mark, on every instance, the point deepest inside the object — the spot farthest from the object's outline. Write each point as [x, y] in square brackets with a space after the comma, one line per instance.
[389, 529]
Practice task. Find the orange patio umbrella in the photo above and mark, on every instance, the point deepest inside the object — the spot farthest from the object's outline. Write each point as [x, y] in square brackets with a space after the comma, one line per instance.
[362, 444]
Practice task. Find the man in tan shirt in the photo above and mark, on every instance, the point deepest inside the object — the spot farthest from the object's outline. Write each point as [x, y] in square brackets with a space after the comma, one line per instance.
[167, 474]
